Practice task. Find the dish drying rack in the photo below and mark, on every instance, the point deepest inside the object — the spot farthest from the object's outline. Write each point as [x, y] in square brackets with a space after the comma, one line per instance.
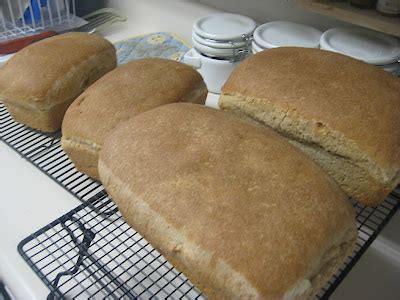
[91, 251]
[20, 18]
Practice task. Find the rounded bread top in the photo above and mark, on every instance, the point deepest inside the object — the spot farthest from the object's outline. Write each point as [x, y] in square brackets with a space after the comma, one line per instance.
[358, 100]
[33, 71]
[127, 91]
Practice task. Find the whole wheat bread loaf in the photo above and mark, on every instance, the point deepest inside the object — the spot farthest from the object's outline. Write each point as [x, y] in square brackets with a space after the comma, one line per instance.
[241, 212]
[127, 91]
[40, 81]
[343, 113]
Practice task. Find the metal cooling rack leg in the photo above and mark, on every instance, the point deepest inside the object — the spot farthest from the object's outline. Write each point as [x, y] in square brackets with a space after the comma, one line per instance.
[83, 247]
[100, 196]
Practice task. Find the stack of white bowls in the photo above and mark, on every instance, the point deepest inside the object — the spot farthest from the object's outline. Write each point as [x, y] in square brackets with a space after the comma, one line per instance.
[220, 42]
[370, 46]
[285, 34]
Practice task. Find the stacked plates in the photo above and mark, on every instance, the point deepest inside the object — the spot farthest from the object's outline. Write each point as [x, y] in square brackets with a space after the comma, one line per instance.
[223, 35]
[220, 41]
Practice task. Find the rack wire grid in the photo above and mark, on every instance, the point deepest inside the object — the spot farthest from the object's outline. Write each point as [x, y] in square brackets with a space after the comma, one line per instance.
[84, 255]
[44, 152]
[25, 17]
[92, 252]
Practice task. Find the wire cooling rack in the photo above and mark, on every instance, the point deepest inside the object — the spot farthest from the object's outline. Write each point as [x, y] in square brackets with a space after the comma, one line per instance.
[92, 252]
[370, 222]
[83, 254]
[44, 152]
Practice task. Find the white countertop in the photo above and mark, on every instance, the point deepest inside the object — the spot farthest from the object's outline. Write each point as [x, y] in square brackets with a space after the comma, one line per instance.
[31, 200]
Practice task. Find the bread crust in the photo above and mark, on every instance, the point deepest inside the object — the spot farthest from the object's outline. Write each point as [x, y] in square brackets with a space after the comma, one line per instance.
[129, 90]
[344, 106]
[234, 206]
[39, 82]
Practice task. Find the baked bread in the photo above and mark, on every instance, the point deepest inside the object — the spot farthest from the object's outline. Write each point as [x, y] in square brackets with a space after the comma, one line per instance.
[127, 91]
[237, 209]
[343, 113]
[40, 81]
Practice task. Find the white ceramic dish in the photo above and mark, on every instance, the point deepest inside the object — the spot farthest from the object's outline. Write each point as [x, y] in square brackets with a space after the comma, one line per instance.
[367, 45]
[215, 72]
[256, 48]
[238, 43]
[215, 52]
[283, 34]
[220, 41]
[223, 26]
[393, 68]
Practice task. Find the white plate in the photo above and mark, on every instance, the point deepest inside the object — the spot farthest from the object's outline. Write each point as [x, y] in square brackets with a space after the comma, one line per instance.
[214, 52]
[217, 44]
[370, 46]
[393, 68]
[256, 48]
[224, 26]
[284, 34]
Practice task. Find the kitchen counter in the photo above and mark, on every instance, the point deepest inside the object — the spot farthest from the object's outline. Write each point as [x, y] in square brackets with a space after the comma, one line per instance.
[31, 200]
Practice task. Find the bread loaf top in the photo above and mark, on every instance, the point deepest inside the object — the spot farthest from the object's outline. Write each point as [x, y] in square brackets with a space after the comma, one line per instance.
[127, 91]
[35, 74]
[234, 206]
[354, 106]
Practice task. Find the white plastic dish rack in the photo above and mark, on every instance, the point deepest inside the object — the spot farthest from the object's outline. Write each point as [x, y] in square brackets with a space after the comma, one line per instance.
[25, 17]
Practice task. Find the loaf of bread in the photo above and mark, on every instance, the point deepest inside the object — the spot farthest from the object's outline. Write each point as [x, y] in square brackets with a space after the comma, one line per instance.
[40, 81]
[236, 208]
[127, 91]
[343, 113]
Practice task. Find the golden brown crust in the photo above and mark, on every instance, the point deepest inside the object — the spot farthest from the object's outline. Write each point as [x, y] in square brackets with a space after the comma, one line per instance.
[51, 72]
[127, 91]
[352, 97]
[347, 107]
[234, 206]
[46, 121]
[83, 154]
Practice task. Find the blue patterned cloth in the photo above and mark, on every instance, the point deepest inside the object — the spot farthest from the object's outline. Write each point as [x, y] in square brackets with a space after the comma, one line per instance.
[159, 44]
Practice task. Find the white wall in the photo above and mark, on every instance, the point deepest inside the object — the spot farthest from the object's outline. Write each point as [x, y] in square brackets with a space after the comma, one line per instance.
[177, 16]
[272, 10]
[144, 16]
